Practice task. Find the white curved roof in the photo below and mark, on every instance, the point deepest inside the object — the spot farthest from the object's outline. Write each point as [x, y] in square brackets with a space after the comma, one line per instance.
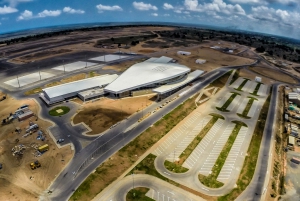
[146, 73]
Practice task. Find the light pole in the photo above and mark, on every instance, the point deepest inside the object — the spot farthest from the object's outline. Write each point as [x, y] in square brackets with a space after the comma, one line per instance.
[18, 81]
[39, 73]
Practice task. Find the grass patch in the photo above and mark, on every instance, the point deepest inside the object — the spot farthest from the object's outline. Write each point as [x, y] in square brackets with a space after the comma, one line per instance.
[174, 167]
[138, 194]
[58, 111]
[242, 85]
[248, 169]
[256, 89]
[221, 81]
[247, 108]
[211, 180]
[235, 76]
[111, 169]
[146, 166]
[227, 103]
[33, 91]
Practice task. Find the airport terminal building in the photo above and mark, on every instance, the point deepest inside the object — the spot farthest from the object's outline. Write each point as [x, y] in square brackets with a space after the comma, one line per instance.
[156, 75]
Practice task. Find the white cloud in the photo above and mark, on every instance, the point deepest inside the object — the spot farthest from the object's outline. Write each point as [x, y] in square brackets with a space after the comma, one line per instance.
[167, 6]
[7, 9]
[49, 13]
[143, 6]
[14, 3]
[266, 2]
[154, 14]
[73, 11]
[102, 8]
[177, 11]
[249, 1]
[215, 6]
[27, 14]
[186, 12]
[167, 15]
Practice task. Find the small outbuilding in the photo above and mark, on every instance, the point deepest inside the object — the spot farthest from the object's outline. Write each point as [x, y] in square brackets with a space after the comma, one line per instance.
[258, 79]
[200, 61]
[183, 53]
[291, 141]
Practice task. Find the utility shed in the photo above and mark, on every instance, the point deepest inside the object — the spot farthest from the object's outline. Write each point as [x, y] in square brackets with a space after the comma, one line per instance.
[295, 98]
[286, 116]
[25, 115]
[183, 53]
[200, 61]
[291, 141]
[258, 79]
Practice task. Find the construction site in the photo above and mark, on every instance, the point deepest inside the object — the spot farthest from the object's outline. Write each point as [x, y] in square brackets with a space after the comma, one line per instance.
[29, 158]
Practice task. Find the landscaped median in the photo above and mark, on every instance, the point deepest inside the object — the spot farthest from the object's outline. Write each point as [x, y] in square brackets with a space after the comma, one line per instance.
[228, 102]
[248, 169]
[176, 167]
[247, 108]
[256, 89]
[211, 180]
[243, 84]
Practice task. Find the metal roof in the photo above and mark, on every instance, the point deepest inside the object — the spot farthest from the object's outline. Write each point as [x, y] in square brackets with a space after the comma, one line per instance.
[294, 96]
[80, 85]
[146, 73]
[187, 79]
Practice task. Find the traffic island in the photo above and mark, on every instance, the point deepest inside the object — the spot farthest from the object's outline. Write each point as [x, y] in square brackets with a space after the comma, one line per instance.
[59, 111]
[138, 194]
[247, 108]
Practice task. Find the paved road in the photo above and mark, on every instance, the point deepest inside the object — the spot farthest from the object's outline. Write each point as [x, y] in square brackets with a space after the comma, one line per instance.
[257, 188]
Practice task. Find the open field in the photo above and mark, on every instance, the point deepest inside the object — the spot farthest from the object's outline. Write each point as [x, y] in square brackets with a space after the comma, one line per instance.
[111, 169]
[214, 59]
[39, 56]
[104, 113]
[273, 74]
[15, 174]
[123, 65]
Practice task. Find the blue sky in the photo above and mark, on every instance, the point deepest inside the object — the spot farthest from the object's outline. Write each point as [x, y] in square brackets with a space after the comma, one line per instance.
[279, 17]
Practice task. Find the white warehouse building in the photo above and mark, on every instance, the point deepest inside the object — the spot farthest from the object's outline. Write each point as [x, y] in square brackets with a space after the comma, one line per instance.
[92, 86]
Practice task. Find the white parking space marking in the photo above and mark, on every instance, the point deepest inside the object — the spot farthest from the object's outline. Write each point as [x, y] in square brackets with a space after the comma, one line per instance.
[252, 87]
[161, 196]
[253, 109]
[234, 103]
[74, 66]
[237, 83]
[223, 100]
[188, 139]
[235, 150]
[176, 134]
[108, 58]
[28, 79]
[247, 86]
[242, 106]
[262, 90]
[202, 146]
[216, 150]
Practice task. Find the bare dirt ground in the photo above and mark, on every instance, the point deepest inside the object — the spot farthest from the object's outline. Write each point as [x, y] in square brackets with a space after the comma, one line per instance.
[82, 41]
[123, 65]
[102, 114]
[214, 59]
[39, 56]
[16, 172]
[251, 75]
[273, 74]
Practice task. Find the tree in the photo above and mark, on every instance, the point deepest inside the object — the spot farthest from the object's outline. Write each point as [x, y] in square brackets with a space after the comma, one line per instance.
[260, 49]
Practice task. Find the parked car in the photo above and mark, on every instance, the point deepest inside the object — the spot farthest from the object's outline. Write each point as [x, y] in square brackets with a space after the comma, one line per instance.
[60, 141]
